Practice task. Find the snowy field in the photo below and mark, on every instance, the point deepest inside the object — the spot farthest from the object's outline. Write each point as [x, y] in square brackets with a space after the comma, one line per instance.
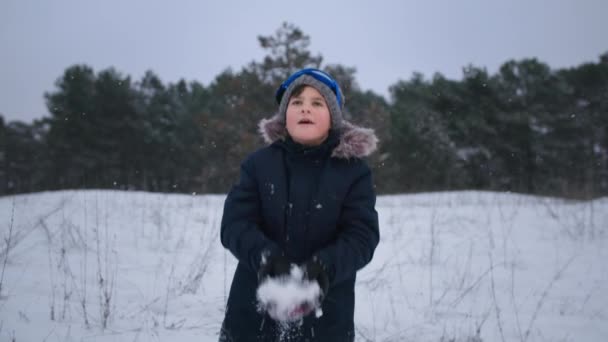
[462, 266]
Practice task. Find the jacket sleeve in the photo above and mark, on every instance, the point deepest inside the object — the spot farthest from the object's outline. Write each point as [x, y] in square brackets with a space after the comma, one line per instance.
[241, 221]
[359, 235]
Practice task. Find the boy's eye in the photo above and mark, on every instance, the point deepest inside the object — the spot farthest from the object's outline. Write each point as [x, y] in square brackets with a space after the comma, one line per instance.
[317, 103]
[296, 102]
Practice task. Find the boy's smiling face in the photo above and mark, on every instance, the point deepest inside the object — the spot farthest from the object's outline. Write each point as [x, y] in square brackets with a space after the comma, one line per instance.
[308, 118]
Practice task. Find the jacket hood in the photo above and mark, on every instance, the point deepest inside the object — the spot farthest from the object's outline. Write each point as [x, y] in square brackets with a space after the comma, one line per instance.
[354, 141]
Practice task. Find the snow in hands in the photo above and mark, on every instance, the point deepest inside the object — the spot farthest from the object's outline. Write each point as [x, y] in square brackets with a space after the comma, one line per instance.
[290, 297]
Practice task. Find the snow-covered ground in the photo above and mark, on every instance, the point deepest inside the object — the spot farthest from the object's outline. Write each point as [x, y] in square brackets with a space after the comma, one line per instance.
[463, 266]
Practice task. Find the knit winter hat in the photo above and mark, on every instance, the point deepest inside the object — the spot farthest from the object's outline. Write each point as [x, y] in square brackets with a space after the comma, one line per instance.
[323, 83]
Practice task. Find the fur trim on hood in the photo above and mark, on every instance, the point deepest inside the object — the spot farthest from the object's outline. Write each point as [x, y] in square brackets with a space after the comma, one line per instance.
[355, 141]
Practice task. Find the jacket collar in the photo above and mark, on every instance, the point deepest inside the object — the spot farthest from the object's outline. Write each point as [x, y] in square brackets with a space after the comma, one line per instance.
[354, 141]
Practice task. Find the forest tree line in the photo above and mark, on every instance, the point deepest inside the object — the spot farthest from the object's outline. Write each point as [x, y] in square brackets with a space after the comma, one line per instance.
[527, 128]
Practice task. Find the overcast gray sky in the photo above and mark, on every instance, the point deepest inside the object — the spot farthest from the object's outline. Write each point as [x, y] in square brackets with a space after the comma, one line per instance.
[196, 40]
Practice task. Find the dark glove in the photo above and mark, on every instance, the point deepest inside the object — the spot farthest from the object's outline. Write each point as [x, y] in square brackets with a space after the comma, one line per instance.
[273, 265]
[314, 270]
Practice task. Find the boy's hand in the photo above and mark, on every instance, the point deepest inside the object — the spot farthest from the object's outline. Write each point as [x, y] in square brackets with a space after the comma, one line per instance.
[272, 266]
[314, 270]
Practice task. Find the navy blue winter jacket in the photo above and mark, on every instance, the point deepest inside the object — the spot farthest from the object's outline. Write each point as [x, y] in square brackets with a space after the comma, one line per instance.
[301, 202]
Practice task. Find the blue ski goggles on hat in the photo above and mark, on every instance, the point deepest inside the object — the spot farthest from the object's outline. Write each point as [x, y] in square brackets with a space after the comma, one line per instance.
[317, 74]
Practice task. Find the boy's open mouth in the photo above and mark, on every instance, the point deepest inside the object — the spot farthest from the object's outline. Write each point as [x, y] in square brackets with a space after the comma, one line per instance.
[305, 122]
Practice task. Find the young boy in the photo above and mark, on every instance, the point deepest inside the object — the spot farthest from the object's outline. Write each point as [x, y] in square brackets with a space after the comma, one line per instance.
[306, 199]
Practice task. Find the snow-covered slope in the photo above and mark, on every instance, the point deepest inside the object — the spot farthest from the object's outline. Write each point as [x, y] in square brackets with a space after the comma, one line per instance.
[463, 266]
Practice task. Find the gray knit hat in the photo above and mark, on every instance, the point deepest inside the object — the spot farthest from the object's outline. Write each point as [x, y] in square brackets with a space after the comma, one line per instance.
[334, 100]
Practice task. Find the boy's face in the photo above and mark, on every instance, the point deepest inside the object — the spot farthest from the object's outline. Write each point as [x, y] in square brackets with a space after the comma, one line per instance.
[308, 118]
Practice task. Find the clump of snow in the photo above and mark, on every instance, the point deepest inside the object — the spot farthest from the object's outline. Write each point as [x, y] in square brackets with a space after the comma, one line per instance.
[282, 297]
